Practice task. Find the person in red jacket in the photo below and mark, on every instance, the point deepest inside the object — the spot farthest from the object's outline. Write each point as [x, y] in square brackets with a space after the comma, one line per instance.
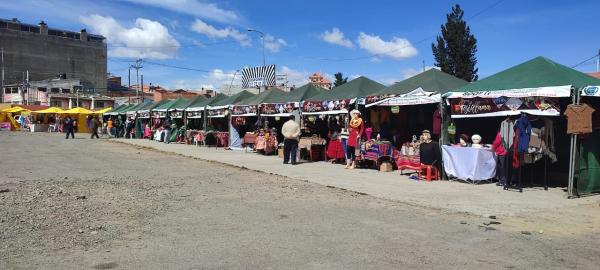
[501, 152]
[356, 129]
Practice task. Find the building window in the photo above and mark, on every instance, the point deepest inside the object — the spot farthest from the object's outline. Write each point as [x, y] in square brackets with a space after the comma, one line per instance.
[7, 90]
[99, 104]
[66, 90]
[42, 89]
[15, 90]
[56, 103]
[55, 90]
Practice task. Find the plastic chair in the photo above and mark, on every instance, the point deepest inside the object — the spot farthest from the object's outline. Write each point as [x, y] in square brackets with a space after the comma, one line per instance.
[431, 172]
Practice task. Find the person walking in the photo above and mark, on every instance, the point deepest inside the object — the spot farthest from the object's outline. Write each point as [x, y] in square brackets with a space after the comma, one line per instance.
[94, 124]
[109, 127]
[70, 129]
[291, 132]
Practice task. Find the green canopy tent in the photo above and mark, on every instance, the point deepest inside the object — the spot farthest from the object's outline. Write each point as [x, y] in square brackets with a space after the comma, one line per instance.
[161, 110]
[144, 111]
[115, 111]
[536, 87]
[338, 99]
[249, 106]
[132, 110]
[284, 104]
[176, 111]
[423, 88]
[194, 112]
[219, 108]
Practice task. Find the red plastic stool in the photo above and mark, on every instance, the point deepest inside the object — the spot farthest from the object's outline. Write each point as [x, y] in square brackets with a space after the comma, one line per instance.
[431, 172]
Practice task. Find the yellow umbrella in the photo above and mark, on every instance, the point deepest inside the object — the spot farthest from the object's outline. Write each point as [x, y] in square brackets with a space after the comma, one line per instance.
[77, 110]
[50, 110]
[14, 110]
[105, 110]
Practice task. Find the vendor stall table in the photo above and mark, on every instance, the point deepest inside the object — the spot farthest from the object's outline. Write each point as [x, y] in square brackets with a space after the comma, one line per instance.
[408, 157]
[468, 163]
[249, 138]
[315, 146]
[375, 150]
[267, 145]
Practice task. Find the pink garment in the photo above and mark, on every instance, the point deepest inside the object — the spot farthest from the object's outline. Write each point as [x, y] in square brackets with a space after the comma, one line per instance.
[437, 122]
[369, 132]
[147, 132]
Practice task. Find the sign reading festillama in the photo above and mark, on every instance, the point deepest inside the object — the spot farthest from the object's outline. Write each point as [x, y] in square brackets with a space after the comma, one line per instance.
[258, 76]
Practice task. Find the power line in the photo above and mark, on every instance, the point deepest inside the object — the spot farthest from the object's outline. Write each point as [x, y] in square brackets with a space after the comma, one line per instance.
[407, 46]
[584, 61]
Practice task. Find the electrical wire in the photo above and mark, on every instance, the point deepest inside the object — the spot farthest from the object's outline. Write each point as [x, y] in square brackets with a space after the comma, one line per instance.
[584, 61]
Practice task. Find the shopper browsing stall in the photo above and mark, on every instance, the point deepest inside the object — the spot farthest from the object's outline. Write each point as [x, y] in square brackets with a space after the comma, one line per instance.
[291, 133]
[356, 129]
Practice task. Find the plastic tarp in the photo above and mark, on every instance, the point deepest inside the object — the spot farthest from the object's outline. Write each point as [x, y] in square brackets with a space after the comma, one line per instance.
[415, 97]
[50, 110]
[588, 180]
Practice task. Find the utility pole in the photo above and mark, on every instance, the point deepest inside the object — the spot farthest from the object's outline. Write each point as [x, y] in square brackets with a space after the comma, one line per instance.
[27, 88]
[2, 88]
[231, 84]
[423, 65]
[142, 79]
[262, 38]
[597, 62]
[138, 64]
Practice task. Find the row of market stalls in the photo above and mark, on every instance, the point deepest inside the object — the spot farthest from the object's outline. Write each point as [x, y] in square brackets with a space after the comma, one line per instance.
[48, 119]
[464, 119]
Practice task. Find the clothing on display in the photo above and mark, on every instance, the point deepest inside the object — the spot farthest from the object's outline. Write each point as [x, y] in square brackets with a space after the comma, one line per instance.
[437, 120]
[579, 118]
[507, 132]
[357, 128]
[523, 130]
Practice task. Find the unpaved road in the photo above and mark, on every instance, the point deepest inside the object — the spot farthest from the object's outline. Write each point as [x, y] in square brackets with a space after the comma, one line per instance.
[82, 204]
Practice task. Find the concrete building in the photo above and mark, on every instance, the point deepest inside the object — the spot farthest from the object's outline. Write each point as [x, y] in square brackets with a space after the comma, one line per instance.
[45, 52]
[62, 93]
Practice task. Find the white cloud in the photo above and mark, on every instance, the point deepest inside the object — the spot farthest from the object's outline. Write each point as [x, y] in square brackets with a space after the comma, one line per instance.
[146, 39]
[274, 44]
[294, 77]
[198, 8]
[335, 36]
[397, 48]
[214, 33]
[216, 79]
[409, 72]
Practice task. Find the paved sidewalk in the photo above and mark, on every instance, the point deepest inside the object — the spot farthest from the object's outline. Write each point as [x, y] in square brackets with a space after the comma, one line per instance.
[484, 199]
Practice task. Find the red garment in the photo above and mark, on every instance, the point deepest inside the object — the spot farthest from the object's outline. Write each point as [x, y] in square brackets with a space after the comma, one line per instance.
[335, 150]
[355, 133]
[497, 145]
[515, 158]
[437, 122]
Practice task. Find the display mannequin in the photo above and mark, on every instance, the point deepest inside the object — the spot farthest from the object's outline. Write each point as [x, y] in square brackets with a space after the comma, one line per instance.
[429, 150]
[464, 141]
[356, 128]
[476, 139]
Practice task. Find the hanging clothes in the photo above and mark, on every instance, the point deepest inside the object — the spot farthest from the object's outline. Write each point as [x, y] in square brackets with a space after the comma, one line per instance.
[579, 118]
[437, 122]
[523, 126]
[515, 157]
[374, 118]
[548, 134]
[507, 132]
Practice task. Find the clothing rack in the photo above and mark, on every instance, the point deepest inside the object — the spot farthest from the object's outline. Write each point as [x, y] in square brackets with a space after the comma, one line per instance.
[573, 152]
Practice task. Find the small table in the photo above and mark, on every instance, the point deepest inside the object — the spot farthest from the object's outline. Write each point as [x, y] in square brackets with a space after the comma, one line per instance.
[468, 163]
[315, 146]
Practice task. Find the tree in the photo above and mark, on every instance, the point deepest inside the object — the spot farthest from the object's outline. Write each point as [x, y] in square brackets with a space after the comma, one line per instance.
[455, 50]
[339, 79]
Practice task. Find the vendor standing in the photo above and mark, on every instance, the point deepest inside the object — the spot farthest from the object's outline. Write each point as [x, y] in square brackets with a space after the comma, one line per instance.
[291, 132]
[356, 129]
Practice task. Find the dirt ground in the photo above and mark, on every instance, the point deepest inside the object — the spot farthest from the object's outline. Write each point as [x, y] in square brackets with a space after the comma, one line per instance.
[83, 204]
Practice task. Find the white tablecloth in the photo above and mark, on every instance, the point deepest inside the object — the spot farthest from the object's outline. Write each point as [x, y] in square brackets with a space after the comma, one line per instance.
[467, 163]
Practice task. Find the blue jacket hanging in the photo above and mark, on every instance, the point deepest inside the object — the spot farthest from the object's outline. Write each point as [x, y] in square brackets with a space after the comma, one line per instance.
[523, 126]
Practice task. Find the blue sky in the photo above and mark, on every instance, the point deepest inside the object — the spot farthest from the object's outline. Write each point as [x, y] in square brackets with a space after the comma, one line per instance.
[383, 40]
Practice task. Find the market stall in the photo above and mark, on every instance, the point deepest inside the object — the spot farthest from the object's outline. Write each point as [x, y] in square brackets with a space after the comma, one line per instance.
[14, 118]
[80, 115]
[388, 111]
[519, 113]
[326, 114]
[584, 176]
[219, 130]
[47, 120]
[195, 120]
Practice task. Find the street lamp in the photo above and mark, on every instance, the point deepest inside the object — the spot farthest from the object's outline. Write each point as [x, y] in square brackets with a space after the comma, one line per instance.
[262, 38]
